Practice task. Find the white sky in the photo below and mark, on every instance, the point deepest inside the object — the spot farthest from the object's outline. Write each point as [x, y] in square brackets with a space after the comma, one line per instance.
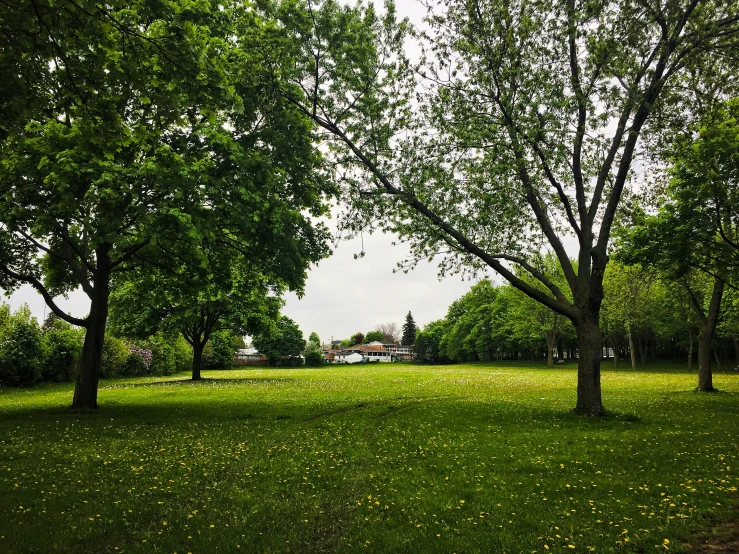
[342, 295]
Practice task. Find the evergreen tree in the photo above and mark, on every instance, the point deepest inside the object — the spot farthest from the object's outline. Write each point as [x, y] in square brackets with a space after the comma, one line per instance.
[409, 330]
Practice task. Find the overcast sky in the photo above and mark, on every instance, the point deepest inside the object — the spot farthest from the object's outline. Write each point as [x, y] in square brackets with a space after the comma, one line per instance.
[342, 295]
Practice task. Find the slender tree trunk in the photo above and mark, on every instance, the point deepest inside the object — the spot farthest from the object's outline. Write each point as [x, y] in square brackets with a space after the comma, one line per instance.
[197, 359]
[736, 350]
[86, 387]
[615, 357]
[690, 349]
[550, 350]
[642, 342]
[560, 352]
[708, 326]
[632, 351]
[589, 400]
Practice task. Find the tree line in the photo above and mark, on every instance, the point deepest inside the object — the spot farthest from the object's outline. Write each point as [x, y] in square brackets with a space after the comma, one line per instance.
[646, 317]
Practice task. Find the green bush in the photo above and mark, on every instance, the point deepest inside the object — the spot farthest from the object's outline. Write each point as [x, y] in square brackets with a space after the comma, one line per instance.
[21, 349]
[313, 358]
[62, 345]
[167, 354]
[219, 352]
[115, 357]
[183, 354]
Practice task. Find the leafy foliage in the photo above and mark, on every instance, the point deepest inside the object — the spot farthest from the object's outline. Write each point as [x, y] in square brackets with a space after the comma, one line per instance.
[282, 345]
[21, 349]
[374, 336]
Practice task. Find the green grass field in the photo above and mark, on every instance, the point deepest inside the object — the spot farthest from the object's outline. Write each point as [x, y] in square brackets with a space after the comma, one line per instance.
[469, 458]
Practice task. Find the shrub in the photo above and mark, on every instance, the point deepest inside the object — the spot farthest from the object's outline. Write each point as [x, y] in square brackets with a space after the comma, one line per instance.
[219, 352]
[313, 358]
[313, 354]
[138, 361]
[115, 357]
[183, 354]
[21, 349]
[167, 354]
[62, 344]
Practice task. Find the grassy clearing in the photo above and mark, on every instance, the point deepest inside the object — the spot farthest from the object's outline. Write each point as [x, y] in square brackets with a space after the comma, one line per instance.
[473, 458]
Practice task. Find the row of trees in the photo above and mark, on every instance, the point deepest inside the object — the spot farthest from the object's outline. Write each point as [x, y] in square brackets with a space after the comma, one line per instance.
[647, 315]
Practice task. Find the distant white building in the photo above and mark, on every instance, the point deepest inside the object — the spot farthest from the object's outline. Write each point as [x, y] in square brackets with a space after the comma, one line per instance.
[347, 357]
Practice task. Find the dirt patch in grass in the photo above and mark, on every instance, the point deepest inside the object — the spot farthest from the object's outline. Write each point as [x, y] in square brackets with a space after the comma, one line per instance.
[722, 537]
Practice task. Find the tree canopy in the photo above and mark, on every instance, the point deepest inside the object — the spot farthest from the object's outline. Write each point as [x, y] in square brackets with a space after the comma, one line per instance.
[147, 131]
[517, 129]
[282, 344]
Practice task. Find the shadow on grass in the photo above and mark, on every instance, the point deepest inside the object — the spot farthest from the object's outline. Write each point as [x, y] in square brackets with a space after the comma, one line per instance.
[203, 382]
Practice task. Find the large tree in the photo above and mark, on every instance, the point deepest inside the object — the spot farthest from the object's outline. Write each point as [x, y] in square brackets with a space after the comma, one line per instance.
[143, 122]
[518, 129]
[194, 304]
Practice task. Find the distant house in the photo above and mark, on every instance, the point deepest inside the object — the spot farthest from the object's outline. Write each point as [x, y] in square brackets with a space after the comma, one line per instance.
[348, 357]
[329, 354]
[249, 356]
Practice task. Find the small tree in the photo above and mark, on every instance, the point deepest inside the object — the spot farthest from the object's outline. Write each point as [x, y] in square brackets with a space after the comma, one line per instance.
[314, 338]
[313, 354]
[374, 336]
[357, 338]
[409, 330]
[390, 332]
[282, 344]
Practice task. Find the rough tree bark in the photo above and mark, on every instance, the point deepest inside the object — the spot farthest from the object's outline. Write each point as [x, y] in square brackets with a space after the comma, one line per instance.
[709, 320]
[197, 359]
[86, 387]
[589, 401]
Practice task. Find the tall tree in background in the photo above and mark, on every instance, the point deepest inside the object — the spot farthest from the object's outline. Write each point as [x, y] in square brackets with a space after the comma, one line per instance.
[142, 123]
[390, 332]
[694, 237]
[409, 330]
[194, 304]
[518, 129]
[357, 338]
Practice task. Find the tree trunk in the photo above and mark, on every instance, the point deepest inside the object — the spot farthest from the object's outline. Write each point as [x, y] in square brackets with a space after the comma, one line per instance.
[736, 350]
[550, 349]
[589, 401]
[86, 387]
[615, 357]
[197, 359]
[690, 349]
[708, 326]
[631, 350]
[560, 352]
[642, 342]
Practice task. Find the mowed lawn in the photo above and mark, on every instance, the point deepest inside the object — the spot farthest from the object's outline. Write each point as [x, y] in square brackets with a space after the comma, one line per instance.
[381, 458]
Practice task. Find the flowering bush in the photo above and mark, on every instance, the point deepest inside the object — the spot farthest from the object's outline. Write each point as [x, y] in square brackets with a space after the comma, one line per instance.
[138, 361]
